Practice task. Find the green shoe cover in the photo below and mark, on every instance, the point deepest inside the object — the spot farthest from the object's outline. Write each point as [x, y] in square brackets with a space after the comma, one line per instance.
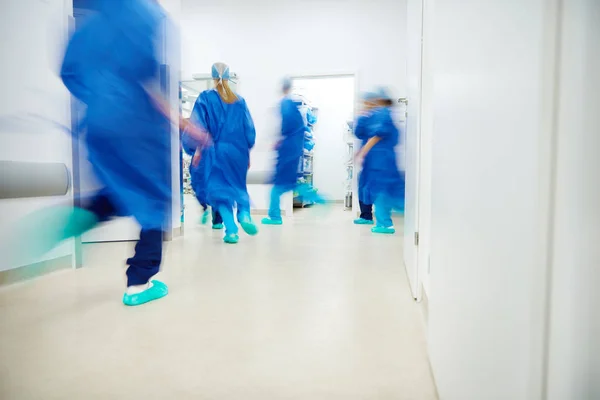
[44, 229]
[249, 227]
[157, 291]
[231, 239]
[204, 218]
[217, 226]
[383, 230]
[362, 221]
[272, 221]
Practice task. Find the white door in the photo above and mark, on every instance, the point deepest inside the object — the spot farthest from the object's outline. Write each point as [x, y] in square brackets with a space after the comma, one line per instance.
[414, 28]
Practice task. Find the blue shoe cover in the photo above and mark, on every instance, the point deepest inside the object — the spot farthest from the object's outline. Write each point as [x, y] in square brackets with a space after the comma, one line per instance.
[272, 221]
[231, 239]
[247, 225]
[204, 218]
[383, 230]
[217, 227]
[362, 221]
[157, 291]
[44, 229]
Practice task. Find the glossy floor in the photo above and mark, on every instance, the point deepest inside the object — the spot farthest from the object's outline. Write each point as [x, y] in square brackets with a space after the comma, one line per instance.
[315, 309]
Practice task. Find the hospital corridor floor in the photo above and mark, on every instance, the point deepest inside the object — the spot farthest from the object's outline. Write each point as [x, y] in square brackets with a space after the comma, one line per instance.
[317, 309]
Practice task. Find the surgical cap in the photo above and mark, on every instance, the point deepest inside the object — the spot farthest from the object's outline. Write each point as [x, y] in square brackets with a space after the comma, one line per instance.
[383, 94]
[286, 84]
[370, 96]
[220, 71]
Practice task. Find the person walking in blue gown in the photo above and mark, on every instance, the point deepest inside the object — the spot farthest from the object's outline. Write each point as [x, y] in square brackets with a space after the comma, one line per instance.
[226, 118]
[383, 183]
[361, 131]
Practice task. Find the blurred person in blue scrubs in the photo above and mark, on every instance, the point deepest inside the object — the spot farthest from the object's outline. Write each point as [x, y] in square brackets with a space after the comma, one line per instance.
[370, 102]
[226, 118]
[111, 65]
[384, 183]
[289, 151]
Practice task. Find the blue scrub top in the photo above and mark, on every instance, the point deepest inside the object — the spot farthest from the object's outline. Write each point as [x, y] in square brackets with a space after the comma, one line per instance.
[107, 64]
[292, 145]
[380, 167]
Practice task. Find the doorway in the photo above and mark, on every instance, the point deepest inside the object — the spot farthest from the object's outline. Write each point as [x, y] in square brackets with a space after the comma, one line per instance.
[328, 160]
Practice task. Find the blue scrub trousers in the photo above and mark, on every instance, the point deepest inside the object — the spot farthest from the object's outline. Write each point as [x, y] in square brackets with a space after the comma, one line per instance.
[226, 213]
[275, 203]
[366, 211]
[148, 251]
[383, 212]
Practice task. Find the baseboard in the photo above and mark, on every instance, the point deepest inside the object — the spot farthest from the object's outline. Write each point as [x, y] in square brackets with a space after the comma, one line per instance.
[265, 212]
[30, 271]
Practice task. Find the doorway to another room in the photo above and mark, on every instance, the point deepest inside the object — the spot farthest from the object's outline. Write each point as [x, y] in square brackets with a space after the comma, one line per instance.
[328, 159]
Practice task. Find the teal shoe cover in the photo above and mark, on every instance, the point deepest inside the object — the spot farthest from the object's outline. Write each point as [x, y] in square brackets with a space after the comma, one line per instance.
[231, 239]
[204, 218]
[157, 291]
[272, 221]
[362, 221]
[383, 230]
[248, 226]
[44, 229]
[217, 227]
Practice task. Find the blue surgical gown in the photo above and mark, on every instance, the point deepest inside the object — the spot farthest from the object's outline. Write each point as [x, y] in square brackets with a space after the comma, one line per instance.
[291, 147]
[107, 64]
[380, 165]
[233, 134]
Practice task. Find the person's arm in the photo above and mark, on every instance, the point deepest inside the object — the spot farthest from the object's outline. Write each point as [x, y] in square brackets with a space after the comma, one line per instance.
[72, 68]
[249, 129]
[362, 153]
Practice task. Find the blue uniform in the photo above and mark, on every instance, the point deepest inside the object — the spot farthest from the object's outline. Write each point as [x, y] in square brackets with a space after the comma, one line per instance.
[291, 147]
[233, 134]
[289, 153]
[361, 131]
[384, 184]
[107, 64]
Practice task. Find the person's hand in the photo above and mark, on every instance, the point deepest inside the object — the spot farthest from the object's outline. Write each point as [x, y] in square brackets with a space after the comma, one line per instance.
[359, 157]
[196, 133]
[197, 157]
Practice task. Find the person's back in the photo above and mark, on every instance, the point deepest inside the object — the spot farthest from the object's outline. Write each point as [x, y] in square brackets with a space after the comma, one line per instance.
[226, 118]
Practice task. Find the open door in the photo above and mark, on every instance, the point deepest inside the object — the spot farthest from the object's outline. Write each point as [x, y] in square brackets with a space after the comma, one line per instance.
[414, 32]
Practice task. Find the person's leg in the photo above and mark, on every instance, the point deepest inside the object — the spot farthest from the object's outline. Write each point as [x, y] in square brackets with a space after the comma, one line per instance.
[274, 207]
[217, 220]
[142, 266]
[366, 214]
[205, 212]
[244, 217]
[231, 228]
[366, 211]
[383, 215]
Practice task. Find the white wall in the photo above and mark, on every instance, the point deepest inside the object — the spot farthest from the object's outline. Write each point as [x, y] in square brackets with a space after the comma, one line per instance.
[576, 255]
[487, 69]
[264, 41]
[33, 37]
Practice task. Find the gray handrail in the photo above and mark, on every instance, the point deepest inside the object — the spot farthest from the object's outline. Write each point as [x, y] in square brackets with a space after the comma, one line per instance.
[19, 179]
[259, 177]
